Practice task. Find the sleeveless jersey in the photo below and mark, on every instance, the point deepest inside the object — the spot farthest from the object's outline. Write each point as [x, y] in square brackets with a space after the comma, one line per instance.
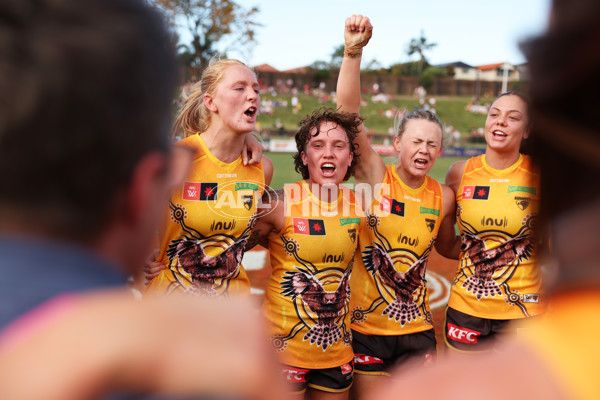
[389, 292]
[568, 348]
[307, 295]
[206, 226]
[497, 277]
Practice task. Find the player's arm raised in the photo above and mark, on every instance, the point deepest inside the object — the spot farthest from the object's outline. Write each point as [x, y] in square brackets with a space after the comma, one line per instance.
[357, 32]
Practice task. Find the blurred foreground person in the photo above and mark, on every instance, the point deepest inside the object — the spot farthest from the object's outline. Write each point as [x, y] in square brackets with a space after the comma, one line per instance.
[85, 169]
[556, 356]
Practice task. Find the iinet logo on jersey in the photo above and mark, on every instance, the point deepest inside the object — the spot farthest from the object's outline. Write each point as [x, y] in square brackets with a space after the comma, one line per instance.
[463, 335]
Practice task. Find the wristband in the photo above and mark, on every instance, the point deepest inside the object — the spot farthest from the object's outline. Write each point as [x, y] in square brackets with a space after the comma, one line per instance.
[355, 50]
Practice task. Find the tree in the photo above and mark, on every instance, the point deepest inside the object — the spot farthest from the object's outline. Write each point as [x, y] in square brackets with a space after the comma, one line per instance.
[429, 74]
[420, 45]
[321, 70]
[373, 66]
[210, 23]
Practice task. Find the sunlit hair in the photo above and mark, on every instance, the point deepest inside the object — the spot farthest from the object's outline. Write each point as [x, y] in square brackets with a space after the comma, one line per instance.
[194, 117]
[400, 123]
[310, 126]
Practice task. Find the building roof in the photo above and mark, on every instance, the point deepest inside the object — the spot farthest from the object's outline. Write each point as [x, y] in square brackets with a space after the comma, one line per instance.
[489, 67]
[265, 68]
[299, 70]
[458, 64]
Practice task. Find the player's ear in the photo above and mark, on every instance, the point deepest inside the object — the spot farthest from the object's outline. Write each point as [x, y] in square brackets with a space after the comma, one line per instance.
[397, 145]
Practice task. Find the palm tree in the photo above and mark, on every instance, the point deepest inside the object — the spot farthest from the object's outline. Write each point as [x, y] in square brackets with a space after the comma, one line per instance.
[420, 45]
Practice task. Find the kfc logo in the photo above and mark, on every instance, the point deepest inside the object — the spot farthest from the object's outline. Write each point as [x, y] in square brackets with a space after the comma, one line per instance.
[364, 359]
[462, 335]
[295, 375]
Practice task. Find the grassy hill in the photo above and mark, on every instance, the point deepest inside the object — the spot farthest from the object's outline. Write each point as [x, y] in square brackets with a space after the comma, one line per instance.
[451, 111]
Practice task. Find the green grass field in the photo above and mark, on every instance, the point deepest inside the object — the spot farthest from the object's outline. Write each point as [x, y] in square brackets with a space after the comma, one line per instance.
[284, 172]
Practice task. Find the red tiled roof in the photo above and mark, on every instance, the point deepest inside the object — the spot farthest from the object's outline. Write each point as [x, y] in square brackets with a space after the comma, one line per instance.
[265, 68]
[299, 70]
[489, 67]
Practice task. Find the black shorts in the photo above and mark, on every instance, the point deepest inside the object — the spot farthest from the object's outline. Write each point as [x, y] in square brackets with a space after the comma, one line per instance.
[464, 332]
[335, 379]
[376, 354]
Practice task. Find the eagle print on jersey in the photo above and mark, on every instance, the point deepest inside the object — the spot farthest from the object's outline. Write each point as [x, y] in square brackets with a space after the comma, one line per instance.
[487, 270]
[210, 275]
[402, 293]
[319, 311]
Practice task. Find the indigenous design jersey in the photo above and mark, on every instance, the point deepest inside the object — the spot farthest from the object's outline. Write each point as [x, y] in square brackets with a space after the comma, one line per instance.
[207, 224]
[497, 276]
[389, 291]
[307, 296]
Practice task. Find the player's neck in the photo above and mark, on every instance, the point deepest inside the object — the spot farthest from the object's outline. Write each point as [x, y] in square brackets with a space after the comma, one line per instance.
[223, 144]
[501, 160]
[327, 193]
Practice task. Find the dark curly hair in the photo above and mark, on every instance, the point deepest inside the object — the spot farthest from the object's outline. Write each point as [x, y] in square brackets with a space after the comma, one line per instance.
[349, 122]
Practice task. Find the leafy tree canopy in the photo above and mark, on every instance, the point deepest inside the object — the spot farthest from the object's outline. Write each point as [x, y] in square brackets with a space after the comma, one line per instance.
[210, 23]
[419, 46]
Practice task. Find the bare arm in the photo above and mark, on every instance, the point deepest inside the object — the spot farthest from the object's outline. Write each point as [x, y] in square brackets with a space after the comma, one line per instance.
[268, 168]
[270, 219]
[371, 168]
[454, 175]
[152, 266]
[447, 242]
[252, 150]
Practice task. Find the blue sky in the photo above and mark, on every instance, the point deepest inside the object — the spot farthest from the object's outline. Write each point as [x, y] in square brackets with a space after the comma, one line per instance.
[296, 33]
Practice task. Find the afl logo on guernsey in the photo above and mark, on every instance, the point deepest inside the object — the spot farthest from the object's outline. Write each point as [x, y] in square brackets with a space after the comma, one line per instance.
[392, 206]
[306, 226]
[476, 192]
[200, 191]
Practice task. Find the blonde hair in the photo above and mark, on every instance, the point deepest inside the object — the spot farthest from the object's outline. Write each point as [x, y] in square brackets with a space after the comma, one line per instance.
[193, 116]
